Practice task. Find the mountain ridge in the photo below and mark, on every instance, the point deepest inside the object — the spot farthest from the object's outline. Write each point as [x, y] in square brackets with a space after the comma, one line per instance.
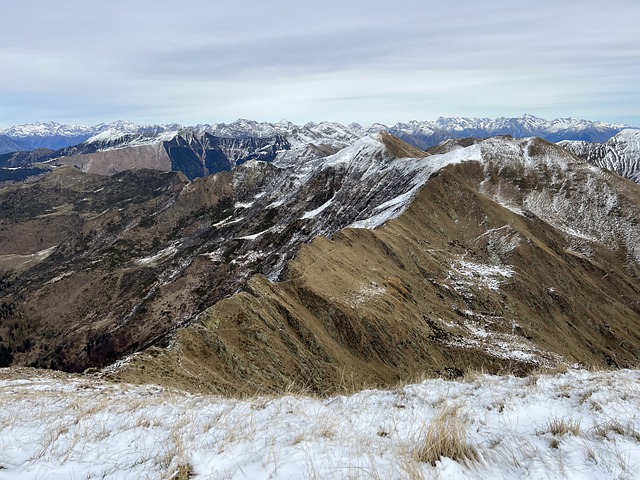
[463, 278]
[377, 260]
[619, 154]
[206, 149]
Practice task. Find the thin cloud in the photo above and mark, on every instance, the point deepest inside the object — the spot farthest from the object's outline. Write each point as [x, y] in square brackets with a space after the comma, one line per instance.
[197, 61]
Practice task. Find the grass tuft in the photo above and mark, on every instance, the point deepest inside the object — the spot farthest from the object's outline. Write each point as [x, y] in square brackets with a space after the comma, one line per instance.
[561, 426]
[184, 472]
[446, 437]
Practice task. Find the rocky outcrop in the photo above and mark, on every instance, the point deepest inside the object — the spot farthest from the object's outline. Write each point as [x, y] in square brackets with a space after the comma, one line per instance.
[199, 155]
[619, 154]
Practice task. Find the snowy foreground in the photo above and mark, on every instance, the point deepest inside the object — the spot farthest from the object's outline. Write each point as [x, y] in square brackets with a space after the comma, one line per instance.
[577, 425]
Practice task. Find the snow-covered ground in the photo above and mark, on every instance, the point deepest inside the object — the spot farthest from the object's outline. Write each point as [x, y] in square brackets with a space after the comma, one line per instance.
[575, 425]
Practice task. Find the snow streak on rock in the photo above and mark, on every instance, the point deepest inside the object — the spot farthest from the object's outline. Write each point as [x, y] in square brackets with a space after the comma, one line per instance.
[620, 154]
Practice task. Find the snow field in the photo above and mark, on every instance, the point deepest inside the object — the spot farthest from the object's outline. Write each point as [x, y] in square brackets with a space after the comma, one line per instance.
[574, 425]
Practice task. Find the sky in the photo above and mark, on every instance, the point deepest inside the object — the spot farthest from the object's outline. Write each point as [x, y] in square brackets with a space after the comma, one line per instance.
[197, 61]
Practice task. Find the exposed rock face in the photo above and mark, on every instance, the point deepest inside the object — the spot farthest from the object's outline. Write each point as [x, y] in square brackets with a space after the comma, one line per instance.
[113, 161]
[620, 154]
[205, 154]
[502, 254]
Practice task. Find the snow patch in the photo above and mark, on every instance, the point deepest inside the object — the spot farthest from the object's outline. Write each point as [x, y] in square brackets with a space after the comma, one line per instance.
[167, 252]
[108, 135]
[213, 256]
[255, 235]
[464, 274]
[42, 254]
[227, 221]
[366, 293]
[84, 428]
[60, 277]
[318, 210]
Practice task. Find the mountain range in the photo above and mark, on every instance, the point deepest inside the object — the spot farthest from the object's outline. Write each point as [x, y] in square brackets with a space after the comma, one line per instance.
[53, 135]
[207, 149]
[259, 256]
[424, 134]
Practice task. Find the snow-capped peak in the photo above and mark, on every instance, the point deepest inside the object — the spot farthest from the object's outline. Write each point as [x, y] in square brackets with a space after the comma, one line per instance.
[424, 134]
[108, 135]
[45, 129]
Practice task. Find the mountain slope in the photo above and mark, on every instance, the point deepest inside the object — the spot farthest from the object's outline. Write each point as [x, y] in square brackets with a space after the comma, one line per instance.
[620, 154]
[152, 230]
[502, 254]
[8, 144]
[460, 279]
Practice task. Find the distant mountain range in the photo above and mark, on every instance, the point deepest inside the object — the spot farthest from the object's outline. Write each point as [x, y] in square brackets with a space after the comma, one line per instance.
[424, 134]
[53, 135]
[207, 149]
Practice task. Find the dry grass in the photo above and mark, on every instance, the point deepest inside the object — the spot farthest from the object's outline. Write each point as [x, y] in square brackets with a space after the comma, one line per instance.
[561, 426]
[550, 370]
[609, 427]
[472, 374]
[185, 472]
[446, 437]
[603, 430]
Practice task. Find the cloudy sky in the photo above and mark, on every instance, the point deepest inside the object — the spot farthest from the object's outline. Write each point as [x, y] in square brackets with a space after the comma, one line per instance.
[198, 61]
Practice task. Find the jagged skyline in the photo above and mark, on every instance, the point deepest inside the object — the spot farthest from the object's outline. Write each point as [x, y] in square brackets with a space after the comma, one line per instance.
[200, 62]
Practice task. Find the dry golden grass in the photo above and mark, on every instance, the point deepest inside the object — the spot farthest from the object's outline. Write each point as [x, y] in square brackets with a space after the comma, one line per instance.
[446, 437]
[184, 472]
[563, 426]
